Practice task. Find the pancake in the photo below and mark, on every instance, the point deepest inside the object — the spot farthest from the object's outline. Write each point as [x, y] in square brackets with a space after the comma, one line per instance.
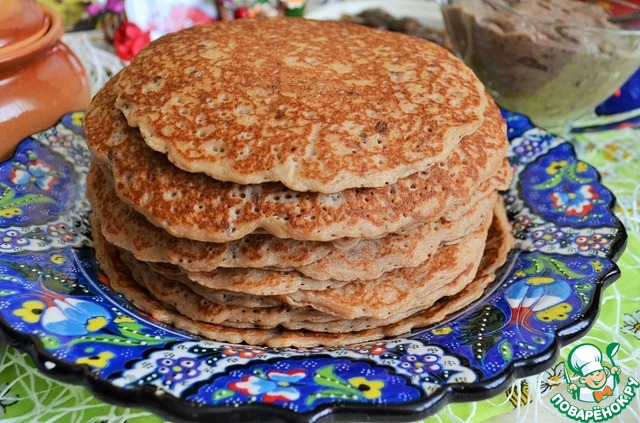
[401, 289]
[393, 292]
[370, 259]
[502, 178]
[198, 207]
[247, 281]
[176, 296]
[297, 183]
[197, 307]
[367, 259]
[129, 230]
[498, 244]
[317, 106]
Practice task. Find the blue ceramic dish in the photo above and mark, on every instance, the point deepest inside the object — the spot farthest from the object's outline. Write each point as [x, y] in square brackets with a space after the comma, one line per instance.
[55, 303]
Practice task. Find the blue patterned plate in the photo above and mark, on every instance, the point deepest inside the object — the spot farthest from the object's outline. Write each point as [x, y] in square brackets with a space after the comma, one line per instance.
[55, 303]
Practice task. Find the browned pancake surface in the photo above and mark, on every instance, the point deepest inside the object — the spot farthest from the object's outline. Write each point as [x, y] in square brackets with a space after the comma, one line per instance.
[401, 289]
[498, 245]
[318, 106]
[383, 298]
[366, 259]
[198, 207]
[128, 229]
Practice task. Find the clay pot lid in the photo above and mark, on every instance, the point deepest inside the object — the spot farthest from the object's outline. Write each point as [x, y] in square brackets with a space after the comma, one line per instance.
[26, 27]
[21, 23]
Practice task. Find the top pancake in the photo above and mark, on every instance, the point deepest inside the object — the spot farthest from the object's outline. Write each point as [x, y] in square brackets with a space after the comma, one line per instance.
[318, 106]
[198, 207]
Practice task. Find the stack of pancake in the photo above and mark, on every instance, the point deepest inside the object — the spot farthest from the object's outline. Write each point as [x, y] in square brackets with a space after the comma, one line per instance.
[288, 182]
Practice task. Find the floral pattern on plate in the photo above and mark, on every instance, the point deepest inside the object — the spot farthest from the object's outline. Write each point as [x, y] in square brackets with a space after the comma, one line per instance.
[56, 303]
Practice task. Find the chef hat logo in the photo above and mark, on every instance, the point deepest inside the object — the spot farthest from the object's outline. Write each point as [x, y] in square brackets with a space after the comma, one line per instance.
[585, 359]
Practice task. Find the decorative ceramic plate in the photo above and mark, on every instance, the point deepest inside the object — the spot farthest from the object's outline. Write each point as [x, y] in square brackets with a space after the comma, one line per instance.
[55, 303]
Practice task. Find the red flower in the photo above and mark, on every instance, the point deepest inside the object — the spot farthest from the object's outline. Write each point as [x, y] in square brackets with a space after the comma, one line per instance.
[129, 39]
[242, 352]
[241, 12]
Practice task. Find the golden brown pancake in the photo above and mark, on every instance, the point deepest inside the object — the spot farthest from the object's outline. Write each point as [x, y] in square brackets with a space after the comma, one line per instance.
[195, 306]
[401, 289]
[394, 293]
[318, 106]
[248, 281]
[370, 259]
[498, 245]
[451, 260]
[198, 207]
[502, 178]
[297, 183]
[367, 259]
[129, 230]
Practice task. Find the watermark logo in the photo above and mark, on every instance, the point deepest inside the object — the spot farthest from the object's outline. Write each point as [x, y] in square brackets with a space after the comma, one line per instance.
[596, 386]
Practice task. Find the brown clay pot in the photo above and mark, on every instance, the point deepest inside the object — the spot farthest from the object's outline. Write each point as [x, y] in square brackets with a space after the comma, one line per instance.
[40, 78]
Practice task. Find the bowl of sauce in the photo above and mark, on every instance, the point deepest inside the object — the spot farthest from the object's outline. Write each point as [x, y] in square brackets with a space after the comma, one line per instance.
[553, 60]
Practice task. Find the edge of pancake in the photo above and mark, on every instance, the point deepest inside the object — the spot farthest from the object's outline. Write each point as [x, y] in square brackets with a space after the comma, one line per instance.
[146, 180]
[121, 281]
[404, 105]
